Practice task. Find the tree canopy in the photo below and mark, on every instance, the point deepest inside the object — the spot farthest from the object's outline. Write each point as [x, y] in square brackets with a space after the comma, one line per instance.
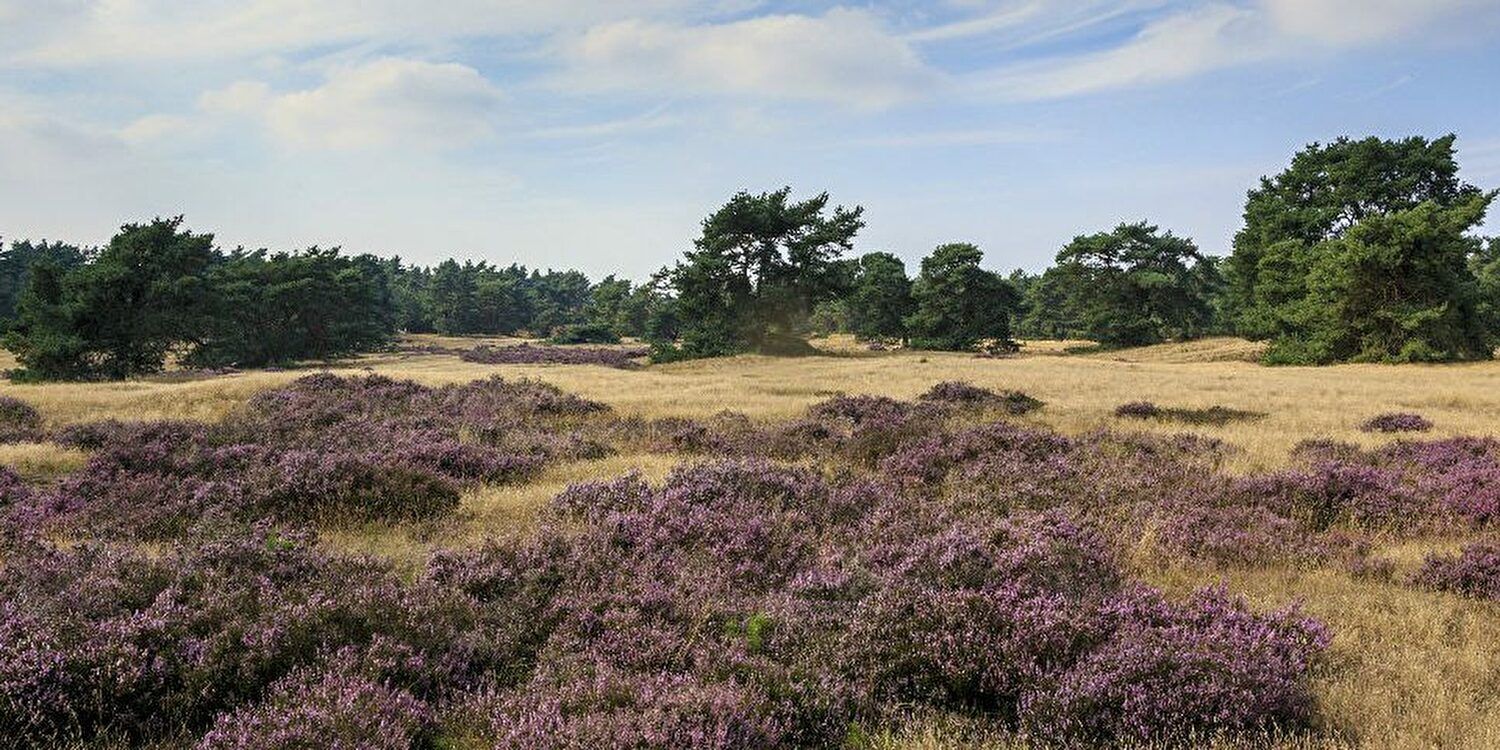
[760, 265]
[958, 304]
[1131, 286]
[1360, 250]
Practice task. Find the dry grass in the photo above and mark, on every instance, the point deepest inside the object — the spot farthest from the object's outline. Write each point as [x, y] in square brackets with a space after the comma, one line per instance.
[1410, 669]
[490, 512]
[1081, 391]
[41, 461]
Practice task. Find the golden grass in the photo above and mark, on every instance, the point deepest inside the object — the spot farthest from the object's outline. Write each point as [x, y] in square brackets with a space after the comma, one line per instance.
[41, 461]
[1081, 391]
[491, 511]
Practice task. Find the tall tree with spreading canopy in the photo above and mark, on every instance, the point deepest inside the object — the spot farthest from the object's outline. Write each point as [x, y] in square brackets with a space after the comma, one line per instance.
[761, 264]
[1301, 271]
[1134, 285]
[959, 304]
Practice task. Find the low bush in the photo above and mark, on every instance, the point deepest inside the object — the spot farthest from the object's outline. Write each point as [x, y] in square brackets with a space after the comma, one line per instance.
[1213, 415]
[1396, 422]
[1474, 571]
[18, 420]
[591, 333]
[529, 354]
[960, 393]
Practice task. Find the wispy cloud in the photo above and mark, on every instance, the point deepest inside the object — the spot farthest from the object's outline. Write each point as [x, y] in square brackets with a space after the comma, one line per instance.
[390, 102]
[949, 138]
[844, 57]
[653, 119]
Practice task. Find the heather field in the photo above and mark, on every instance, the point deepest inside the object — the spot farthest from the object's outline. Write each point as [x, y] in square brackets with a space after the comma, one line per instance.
[473, 543]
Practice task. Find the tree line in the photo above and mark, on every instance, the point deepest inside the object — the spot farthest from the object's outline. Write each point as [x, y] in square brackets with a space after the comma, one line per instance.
[1361, 250]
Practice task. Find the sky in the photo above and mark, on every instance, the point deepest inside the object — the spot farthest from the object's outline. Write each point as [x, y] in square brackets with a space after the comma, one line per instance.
[596, 134]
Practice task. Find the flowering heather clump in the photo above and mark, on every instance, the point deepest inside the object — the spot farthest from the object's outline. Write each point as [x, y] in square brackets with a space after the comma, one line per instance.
[100, 638]
[1138, 410]
[964, 394]
[1234, 535]
[18, 420]
[1213, 415]
[1397, 422]
[1168, 672]
[324, 449]
[527, 354]
[1475, 571]
[334, 711]
[1330, 493]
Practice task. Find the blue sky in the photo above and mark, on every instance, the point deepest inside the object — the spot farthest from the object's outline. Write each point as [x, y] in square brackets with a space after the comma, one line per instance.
[595, 134]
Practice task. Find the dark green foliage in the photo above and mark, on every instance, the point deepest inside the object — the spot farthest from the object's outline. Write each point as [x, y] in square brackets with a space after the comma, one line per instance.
[276, 309]
[760, 266]
[1359, 251]
[120, 314]
[881, 299]
[15, 267]
[1131, 286]
[1394, 288]
[160, 289]
[587, 333]
[958, 304]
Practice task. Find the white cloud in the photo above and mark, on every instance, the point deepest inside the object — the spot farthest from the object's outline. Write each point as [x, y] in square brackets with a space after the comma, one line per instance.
[845, 56]
[387, 102]
[1349, 22]
[90, 32]
[1175, 47]
[1210, 36]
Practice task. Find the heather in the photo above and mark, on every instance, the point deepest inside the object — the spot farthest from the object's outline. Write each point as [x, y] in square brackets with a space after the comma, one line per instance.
[324, 449]
[802, 583]
[1474, 571]
[1396, 422]
[1212, 415]
[18, 420]
[529, 354]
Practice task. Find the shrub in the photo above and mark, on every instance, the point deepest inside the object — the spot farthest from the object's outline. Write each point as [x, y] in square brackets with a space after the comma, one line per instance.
[1170, 673]
[1396, 422]
[1474, 571]
[1213, 415]
[1138, 409]
[331, 711]
[965, 394]
[590, 333]
[18, 420]
[527, 354]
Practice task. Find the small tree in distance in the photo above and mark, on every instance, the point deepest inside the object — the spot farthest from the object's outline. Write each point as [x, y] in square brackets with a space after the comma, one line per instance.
[881, 299]
[958, 304]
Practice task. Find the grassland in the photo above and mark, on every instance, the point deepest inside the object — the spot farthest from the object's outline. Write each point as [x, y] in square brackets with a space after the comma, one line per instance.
[1411, 669]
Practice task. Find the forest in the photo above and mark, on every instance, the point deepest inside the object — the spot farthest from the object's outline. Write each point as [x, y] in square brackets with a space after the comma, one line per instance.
[1358, 251]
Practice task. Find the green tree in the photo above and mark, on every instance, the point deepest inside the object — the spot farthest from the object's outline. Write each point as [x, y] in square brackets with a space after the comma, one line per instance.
[1134, 285]
[757, 270]
[280, 308]
[881, 300]
[1395, 287]
[16, 262]
[959, 304]
[119, 315]
[1326, 191]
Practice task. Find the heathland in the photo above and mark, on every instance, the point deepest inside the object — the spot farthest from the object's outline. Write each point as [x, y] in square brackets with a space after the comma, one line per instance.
[1284, 497]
